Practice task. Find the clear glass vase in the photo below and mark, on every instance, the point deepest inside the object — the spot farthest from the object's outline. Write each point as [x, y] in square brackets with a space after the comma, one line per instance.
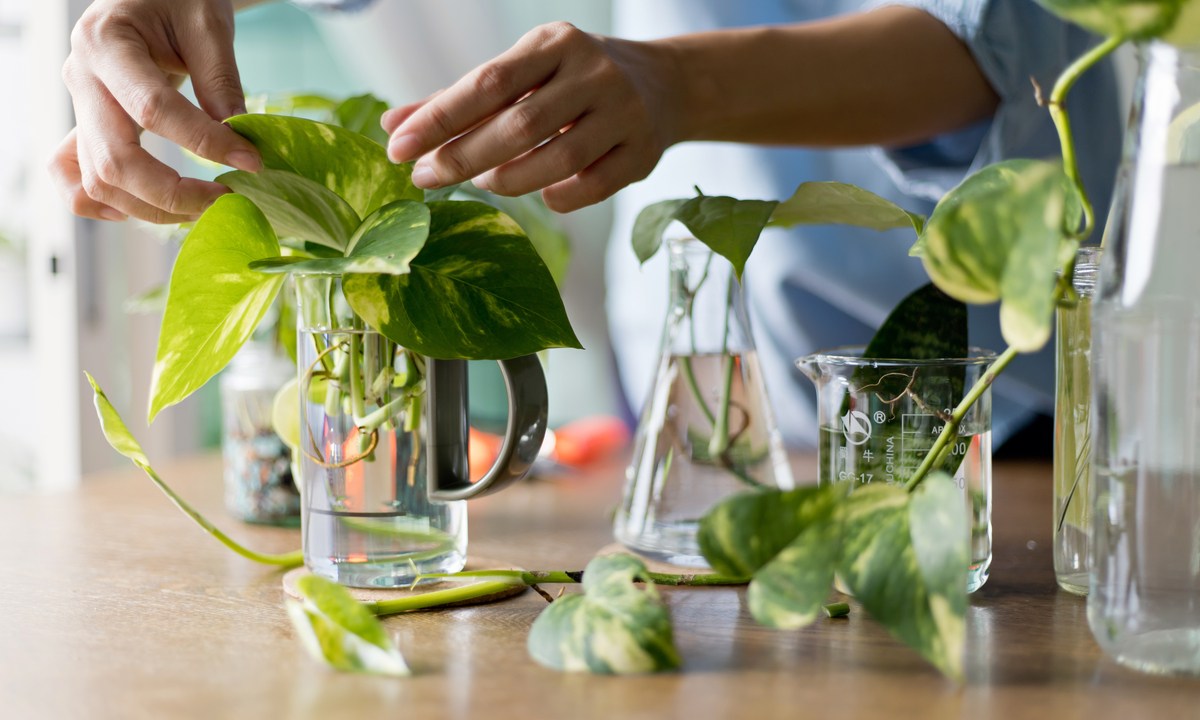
[707, 430]
[1144, 597]
[1072, 516]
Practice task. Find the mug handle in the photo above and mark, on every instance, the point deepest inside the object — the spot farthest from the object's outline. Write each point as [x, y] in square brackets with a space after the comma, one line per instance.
[449, 476]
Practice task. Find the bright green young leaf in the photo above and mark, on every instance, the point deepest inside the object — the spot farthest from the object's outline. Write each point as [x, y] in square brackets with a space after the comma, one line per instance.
[214, 300]
[650, 225]
[385, 243]
[297, 207]
[354, 167]
[835, 203]
[116, 432]
[729, 226]
[477, 290]
[361, 114]
[1136, 19]
[612, 628]
[338, 630]
[918, 597]
[745, 532]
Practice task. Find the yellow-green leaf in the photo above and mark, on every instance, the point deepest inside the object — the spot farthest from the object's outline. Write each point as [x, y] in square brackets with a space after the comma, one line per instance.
[297, 208]
[338, 630]
[835, 203]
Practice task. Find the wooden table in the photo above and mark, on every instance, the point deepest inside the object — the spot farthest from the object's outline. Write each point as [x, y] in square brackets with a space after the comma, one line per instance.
[113, 605]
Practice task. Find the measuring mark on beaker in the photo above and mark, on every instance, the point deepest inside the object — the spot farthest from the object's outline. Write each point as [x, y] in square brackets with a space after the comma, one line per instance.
[856, 426]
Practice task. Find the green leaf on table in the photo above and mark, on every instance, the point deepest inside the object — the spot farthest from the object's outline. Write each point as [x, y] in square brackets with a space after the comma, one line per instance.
[1135, 19]
[729, 226]
[746, 531]
[214, 300]
[297, 208]
[650, 225]
[905, 558]
[361, 114]
[835, 203]
[477, 290]
[338, 630]
[997, 237]
[613, 627]
[354, 167]
[385, 243]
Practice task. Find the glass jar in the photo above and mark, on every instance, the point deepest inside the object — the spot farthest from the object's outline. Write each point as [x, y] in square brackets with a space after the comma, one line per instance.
[1144, 598]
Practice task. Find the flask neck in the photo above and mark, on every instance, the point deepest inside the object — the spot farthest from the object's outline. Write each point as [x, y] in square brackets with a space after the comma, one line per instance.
[707, 312]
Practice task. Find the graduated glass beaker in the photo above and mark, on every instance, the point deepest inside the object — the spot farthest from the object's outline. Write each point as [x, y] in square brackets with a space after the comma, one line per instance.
[707, 430]
[878, 419]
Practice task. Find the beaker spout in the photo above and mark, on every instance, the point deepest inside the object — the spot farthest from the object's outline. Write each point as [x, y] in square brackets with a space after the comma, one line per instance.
[810, 366]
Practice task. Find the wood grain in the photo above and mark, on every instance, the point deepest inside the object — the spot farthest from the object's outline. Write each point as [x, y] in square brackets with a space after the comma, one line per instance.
[113, 605]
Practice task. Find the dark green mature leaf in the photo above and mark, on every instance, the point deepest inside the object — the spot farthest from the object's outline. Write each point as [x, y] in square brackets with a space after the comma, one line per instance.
[385, 243]
[361, 114]
[612, 628]
[352, 166]
[920, 597]
[650, 225]
[338, 630]
[928, 324]
[541, 226]
[835, 203]
[745, 532]
[297, 207]
[477, 290]
[729, 226]
[214, 301]
[997, 237]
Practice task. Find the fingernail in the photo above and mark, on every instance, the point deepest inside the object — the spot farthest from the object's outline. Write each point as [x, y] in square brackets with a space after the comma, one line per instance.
[403, 148]
[110, 214]
[244, 160]
[423, 176]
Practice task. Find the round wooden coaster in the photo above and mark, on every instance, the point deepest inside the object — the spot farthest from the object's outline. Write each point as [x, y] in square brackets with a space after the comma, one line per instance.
[656, 566]
[375, 594]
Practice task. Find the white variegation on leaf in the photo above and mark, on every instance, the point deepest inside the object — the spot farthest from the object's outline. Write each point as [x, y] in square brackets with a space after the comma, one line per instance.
[338, 630]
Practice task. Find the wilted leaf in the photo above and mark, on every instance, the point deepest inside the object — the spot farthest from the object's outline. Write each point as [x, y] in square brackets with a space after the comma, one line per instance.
[338, 630]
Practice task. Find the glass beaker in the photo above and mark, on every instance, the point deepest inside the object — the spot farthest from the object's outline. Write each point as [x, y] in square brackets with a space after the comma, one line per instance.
[707, 430]
[383, 446]
[878, 419]
[1072, 515]
[1144, 597]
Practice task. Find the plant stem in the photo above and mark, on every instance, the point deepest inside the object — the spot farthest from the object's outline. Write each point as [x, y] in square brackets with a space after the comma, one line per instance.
[719, 442]
[438, 598]
[570, 577]
[960, 411]
[1062, 122]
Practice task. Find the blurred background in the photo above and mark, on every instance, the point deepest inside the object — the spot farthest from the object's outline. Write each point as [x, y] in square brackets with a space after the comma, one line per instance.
[65, 283]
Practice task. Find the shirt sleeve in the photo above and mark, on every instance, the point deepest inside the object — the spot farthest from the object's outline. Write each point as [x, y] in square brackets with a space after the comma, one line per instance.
[1016, 43]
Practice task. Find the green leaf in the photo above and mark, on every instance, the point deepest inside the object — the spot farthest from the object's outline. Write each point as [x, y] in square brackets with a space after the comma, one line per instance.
[997, 237]
[835, 203]
[928, 324]
[149, 301]
[541, 226]
[612, 628]
[650, 225]
[297, 207]
[361, 114]
[214, 300]
[919, 596]
[352, 166]
[1137, 19]
[729, 226]
[338, 630]
[385, 243]
[478, 290]
[745, 532]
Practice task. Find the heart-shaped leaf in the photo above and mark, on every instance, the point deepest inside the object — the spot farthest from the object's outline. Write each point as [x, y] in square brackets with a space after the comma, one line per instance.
[650, 225]
[745, 532]
[612, 628]
[729, 226]
[478, 290]
[214, 300]
[361, 114]
[297, 207]
[354, 167]
[835, 203]
[386, 243]
[338, 630]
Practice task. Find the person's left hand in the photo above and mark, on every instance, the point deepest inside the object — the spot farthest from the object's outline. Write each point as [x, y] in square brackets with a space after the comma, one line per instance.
[579, 115]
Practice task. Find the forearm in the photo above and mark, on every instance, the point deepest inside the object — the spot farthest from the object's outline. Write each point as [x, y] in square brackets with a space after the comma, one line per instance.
[890, 76]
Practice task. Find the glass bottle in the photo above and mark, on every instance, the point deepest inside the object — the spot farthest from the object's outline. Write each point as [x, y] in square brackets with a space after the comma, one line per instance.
[707, 430]
[1144, 597]
[1072, 516]
[259, 486]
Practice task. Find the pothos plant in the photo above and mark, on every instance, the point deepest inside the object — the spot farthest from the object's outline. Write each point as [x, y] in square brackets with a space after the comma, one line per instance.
[1008, 233]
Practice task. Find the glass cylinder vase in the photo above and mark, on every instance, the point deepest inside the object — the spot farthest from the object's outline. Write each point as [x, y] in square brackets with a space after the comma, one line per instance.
[707, 430]
[1144, 596]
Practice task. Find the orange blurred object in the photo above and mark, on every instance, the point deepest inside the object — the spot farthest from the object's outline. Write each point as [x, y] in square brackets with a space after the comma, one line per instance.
[482, 449]
[589, 439]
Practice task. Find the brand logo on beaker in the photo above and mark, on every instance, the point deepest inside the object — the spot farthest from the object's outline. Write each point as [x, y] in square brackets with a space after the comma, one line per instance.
[856, 426]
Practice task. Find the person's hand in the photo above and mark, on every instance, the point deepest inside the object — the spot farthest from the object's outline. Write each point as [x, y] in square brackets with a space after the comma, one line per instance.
[579, 115]
[126, 59]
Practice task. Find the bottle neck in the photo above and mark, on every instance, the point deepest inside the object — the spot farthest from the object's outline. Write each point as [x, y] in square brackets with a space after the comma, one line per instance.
[707, 312]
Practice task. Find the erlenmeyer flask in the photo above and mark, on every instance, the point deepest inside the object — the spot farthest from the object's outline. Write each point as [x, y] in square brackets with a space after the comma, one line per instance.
[706, 430]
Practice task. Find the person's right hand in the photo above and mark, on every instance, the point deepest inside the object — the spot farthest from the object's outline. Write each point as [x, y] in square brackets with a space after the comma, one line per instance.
[126, 59]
